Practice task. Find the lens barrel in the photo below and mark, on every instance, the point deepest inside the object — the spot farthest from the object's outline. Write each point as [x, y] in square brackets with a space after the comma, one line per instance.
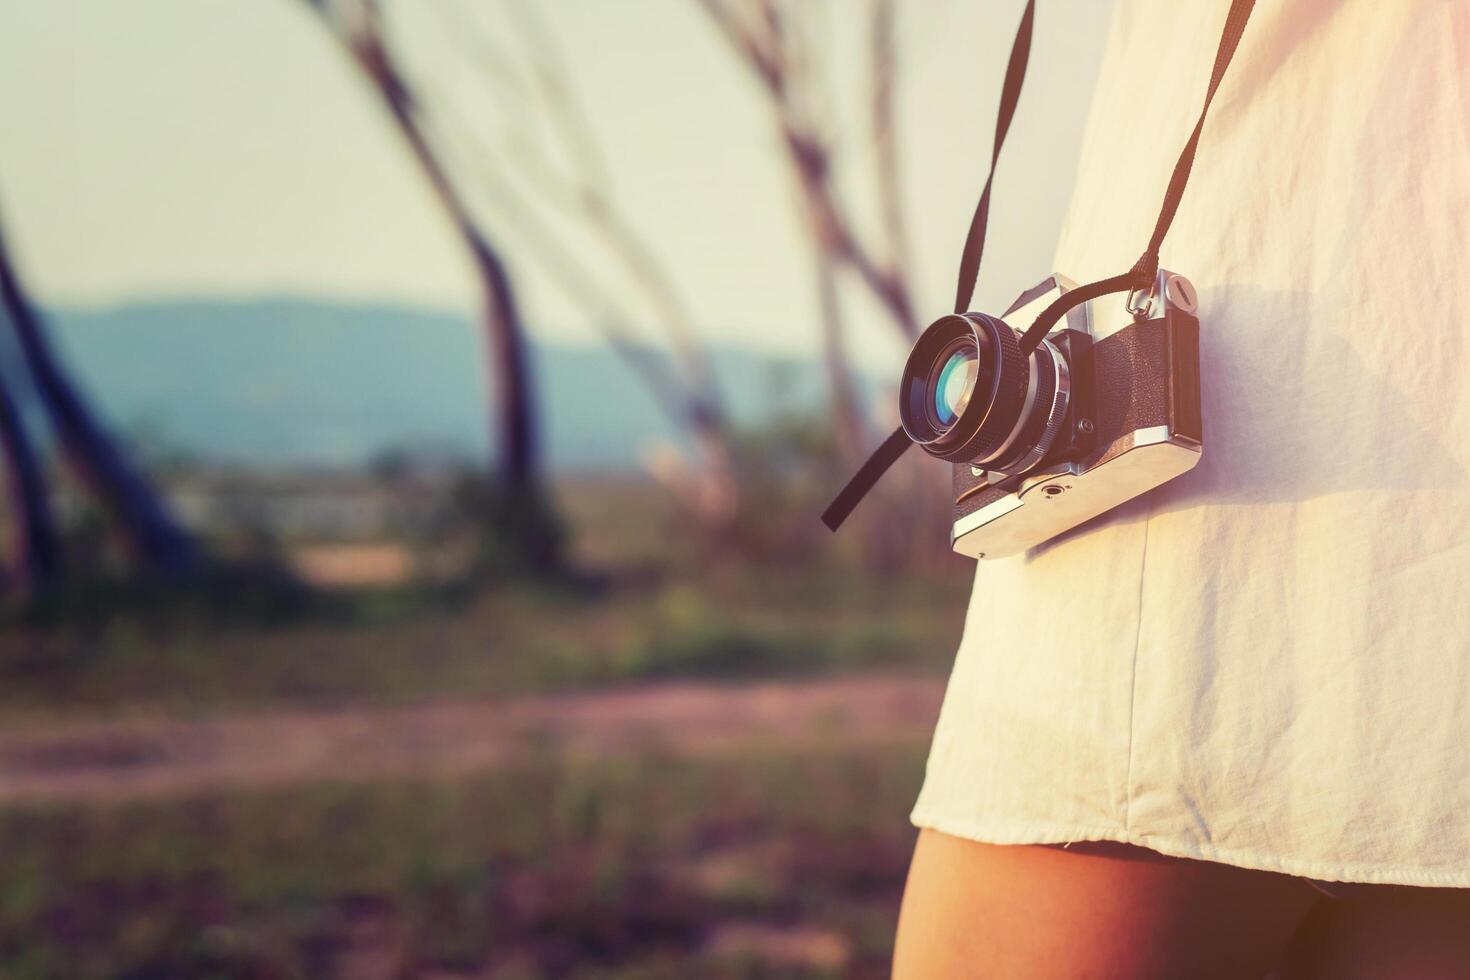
[968, 394]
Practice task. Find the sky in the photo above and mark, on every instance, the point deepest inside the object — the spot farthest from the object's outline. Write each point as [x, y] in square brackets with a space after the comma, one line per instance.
[201, 148]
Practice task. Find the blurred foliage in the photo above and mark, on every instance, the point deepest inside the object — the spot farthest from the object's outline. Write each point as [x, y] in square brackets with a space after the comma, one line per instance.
[772, 860]
[788, 470]
[627, 624]
[635, 598]
[517, 532]
[780, 863]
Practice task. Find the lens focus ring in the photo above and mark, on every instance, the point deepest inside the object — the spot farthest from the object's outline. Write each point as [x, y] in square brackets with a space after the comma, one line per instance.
[1012, 376]
[1046, 418]
[979, 417]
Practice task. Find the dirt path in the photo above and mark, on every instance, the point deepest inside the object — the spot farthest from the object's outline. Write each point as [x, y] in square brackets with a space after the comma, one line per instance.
[162, 757]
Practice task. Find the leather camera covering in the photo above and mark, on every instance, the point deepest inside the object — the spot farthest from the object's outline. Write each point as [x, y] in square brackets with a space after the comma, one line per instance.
[1142, 376]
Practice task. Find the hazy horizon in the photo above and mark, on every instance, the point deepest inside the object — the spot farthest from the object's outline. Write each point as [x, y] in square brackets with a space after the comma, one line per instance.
[292, 381]
[202, 149]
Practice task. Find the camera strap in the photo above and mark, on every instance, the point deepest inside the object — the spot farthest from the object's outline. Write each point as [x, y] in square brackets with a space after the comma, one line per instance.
[1010, 94]
[898, 442]
[1141, 276]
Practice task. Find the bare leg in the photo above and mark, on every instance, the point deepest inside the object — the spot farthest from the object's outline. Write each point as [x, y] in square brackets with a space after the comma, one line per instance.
[1385, 932]
[1095, 911]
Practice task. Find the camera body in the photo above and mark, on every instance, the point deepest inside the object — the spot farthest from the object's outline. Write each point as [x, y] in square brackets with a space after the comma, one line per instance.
[1129, 374]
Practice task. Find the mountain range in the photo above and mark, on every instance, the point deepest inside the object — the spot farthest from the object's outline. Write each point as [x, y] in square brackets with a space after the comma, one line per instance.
[295, 381]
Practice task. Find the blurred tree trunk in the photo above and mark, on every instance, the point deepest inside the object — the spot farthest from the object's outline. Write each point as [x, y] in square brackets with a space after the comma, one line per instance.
[579, 183]
[765, 35]
[883, 79]
[849, 426]
[510, 367]
[775, 41]
[37, 558]
[153, 537]
[768, 37]
[514, 419]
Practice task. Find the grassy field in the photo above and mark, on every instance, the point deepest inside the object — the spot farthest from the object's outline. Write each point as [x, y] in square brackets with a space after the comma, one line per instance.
[783, 862]
[777, 858]
[781, 622]
[643, 607]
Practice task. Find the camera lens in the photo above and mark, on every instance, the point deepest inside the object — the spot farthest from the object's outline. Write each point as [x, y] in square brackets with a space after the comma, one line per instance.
[968, 394]
[955, 382]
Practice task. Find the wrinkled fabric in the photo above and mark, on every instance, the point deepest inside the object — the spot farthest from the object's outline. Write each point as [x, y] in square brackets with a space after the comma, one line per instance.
[1266, 662]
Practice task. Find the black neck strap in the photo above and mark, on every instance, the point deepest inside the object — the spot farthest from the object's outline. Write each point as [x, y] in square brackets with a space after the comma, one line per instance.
[1141, 276]
[897, 442]
[1010, 94]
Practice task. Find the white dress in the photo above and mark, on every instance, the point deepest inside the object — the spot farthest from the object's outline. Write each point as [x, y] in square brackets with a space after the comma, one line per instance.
[1266, 662]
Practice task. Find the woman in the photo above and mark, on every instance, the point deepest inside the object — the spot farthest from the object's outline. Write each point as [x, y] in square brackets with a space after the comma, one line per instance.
[1224, 730]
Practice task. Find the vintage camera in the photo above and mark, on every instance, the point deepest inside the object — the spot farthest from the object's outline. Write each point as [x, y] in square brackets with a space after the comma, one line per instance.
[1105, 408]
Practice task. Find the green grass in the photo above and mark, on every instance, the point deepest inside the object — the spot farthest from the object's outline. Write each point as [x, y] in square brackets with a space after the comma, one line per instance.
[786, 861]
[647, 605]
[641, 868]
[765, 622]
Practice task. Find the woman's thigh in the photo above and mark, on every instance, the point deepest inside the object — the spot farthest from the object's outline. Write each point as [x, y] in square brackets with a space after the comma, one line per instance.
[1098, 911]
[1384, 932]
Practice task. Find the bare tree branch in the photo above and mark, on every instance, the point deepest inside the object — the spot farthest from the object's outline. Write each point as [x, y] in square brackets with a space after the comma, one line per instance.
[884, 78]
[550, 72]
[534, 86]
[766, 43]
[153, 536]
[358, 25]
[36, 548]
[847, 406]
[572, 276]
[587, 192]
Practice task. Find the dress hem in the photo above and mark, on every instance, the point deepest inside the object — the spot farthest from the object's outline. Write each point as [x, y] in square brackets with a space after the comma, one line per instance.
[1002, 832]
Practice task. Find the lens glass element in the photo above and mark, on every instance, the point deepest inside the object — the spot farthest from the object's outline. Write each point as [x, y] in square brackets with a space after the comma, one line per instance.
[955, 384]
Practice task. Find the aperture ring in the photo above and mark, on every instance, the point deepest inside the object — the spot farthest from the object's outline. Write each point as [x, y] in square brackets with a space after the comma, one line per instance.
[1056, 413]
[1038, 386]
